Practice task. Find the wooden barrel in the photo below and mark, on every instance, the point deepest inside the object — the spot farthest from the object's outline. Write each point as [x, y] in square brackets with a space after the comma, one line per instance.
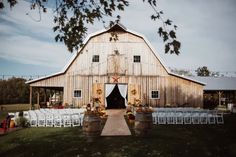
[143, 123]
[91, 125]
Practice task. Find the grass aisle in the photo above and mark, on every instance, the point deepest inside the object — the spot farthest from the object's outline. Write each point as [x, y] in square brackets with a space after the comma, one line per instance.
[164, 140]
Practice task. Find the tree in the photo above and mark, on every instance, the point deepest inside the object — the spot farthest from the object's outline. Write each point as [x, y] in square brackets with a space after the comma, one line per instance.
[203, 71]
[14, 90]
[216, 74]
[182, 72]
[73, 17]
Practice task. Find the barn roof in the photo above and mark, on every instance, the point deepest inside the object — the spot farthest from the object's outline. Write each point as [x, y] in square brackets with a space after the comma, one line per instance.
[218, 83]
[118, 27]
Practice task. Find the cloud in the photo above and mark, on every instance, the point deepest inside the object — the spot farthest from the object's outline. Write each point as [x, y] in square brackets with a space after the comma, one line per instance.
[26, 41]
[31, 51]
[205, 29]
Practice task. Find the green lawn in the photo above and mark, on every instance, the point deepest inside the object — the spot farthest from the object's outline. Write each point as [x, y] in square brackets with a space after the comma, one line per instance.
[3, 115]
[164, 140]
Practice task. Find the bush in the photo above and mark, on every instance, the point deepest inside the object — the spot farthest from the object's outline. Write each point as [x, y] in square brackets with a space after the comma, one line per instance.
[21, 114]
[22, 122]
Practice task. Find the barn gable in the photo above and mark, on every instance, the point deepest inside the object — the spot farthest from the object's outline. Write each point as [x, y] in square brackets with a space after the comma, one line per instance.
[117, 57]
[152, 63]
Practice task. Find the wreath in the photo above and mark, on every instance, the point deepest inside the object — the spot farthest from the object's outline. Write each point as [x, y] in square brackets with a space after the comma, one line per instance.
[99, 91]
[134, 92]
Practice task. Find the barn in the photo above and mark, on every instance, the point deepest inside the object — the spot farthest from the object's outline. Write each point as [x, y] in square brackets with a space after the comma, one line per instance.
[115, 73]
[219, 91]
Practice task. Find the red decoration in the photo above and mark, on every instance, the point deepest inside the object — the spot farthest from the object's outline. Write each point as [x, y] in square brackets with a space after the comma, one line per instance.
[115, 79]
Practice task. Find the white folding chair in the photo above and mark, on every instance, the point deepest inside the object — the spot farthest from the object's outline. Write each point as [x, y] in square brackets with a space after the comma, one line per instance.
[154, 118]
[33, 119]
[170, 117]
[75, 118]
[81, 116]
[179, 117]
[66, 120]
[161, 117]
[212, 117]
[219, 117]
[57, 120]
[187, 117]
[41, 120]
[203, 117]
[49, 119]
[195, 117]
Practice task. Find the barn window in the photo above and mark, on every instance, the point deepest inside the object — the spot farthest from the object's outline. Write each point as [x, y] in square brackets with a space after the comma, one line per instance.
[137, 59]
[155, 94]
[77, 93]
[95, 58]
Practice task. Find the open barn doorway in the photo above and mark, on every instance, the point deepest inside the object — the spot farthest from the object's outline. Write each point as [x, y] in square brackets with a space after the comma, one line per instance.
[116, 96]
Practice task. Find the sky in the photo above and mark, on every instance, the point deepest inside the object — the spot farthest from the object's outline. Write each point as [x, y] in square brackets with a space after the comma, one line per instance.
[206, 30]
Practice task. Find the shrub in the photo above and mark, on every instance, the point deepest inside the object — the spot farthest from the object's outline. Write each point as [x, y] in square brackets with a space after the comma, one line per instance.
[21, 114]
[22, 122]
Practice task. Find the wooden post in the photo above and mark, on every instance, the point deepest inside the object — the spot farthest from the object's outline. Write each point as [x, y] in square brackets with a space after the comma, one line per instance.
[30, 98]
[219, 94]
[38, 97]
[45, 96]
[50, 97]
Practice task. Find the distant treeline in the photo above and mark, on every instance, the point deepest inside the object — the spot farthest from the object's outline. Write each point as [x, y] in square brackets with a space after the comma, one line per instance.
[27, 77]
[14, 90]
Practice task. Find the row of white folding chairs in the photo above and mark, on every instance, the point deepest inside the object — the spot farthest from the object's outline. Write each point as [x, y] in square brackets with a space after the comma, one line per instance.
[187, 117]
[56, 119]
[63, 111]
[183, 109]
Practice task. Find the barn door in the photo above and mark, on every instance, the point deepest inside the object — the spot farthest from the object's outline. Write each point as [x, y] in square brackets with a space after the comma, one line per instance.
[116, 64]
[98, 92]
[134, 93]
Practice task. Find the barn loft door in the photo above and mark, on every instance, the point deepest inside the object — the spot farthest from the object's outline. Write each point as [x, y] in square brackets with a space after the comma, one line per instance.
[133, 93]
[116, 64]
[98, 92]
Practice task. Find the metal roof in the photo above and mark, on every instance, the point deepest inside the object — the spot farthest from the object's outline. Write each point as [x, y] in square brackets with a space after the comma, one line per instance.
[218, 83]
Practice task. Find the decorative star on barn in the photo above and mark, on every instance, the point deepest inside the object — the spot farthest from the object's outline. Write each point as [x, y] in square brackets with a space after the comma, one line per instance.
[115, 79]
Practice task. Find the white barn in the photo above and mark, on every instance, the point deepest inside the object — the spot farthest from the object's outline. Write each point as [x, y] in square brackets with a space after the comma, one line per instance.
[120, 72]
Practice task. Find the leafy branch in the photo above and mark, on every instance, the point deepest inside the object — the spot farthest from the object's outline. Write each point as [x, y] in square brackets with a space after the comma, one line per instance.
[73, 17]
[172, 45]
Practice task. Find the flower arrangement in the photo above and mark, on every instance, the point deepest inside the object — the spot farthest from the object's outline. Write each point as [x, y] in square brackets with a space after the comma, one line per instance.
[134, 91]
[102, 113]
[130, 114]
[135, 103]
[99, 91]
[95, 111]
[96, 100]
[144, 109]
